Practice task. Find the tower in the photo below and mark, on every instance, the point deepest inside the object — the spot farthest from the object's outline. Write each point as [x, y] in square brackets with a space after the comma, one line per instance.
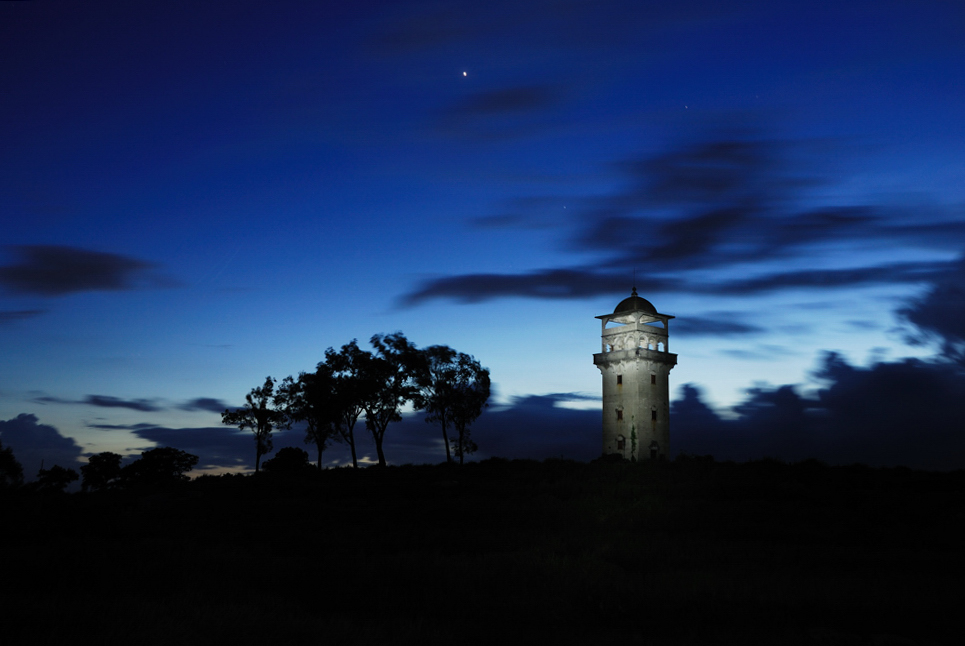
[636, 363]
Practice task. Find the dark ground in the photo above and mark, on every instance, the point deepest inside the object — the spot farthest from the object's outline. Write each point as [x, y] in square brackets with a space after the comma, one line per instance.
[689, 552]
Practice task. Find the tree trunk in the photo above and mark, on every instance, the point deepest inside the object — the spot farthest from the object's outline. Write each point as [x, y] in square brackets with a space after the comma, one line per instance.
[351, 443]
[462, 445]
[445, 440]
[378, 448]
[321, 448]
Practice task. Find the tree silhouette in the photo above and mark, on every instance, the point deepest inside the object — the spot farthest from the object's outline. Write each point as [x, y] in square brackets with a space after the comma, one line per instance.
[470, 397]
[350, 388]
[310, 399]
[159, 467]
[101, 471]
[55, 479]
[11, 473]
[391, 377]
[453, 389]
[261, 414]
[289, 461]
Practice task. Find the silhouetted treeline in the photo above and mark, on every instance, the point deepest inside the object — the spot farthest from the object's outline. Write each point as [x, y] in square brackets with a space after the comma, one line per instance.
[451, 388]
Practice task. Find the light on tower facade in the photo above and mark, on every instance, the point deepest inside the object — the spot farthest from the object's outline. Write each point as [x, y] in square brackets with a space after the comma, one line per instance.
[636, 362]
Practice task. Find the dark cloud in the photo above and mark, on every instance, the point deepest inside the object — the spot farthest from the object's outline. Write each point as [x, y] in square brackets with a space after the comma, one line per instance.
[940, 313]
[121, 427]
[44, 270]
[105, 401]
[144, 405]
[514, 99]
[887, 274]
[500, 114]
[36, 444]
[581, 283]
[718, 324]
[709, 206]
[555, 283]
[506, 27]
[18, 315]
[205, 404]
[903, 413]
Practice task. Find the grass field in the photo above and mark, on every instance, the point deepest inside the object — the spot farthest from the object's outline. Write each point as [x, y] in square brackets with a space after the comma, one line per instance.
[688, 552]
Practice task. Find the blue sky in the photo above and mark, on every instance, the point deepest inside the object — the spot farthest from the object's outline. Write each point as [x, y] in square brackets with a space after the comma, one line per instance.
[194, 197]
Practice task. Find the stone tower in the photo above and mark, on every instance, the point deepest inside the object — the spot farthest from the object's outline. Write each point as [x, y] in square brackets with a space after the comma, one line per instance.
[636, 363]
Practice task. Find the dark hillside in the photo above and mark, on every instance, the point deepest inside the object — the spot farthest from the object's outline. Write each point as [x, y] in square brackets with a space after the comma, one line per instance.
[689, 552]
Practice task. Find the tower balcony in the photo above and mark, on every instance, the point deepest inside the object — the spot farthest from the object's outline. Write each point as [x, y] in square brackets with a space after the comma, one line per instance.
[634, 354]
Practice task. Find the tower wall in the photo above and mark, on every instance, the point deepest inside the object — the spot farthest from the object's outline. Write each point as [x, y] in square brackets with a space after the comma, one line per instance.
[635, 364]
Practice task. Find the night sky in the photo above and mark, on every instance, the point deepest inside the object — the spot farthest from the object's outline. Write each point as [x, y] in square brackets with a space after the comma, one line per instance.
[194, 196]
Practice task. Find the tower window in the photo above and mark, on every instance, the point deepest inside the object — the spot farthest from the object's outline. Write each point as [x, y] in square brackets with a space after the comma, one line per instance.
[619, 414]
[653, 380]
[653, 414]
[619, 380]
[621, 443]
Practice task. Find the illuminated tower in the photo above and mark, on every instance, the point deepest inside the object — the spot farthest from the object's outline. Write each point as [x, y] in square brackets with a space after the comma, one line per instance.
[636, 363]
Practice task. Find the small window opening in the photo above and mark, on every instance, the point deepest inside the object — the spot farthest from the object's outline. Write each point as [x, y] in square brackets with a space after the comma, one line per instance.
[619, 414]
[619, 380]
[621, 443]
[653, 380]
[653, 414]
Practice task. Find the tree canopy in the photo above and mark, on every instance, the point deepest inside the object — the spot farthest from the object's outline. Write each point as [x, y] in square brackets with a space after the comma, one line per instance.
[159, 467]
[11, 472]
[101, 472]
[453, 390]
[261, 414]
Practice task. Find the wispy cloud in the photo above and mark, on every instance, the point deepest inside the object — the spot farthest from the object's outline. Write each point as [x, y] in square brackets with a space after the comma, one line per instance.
[13, 316]
[144, 405]
[46, 270]
[734, 215]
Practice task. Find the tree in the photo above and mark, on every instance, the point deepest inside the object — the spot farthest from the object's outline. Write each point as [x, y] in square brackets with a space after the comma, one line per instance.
[160, 467]
[261, 414]
[453, 389]
[289, 460]
[350, 388]
[11, 472]
[471, 396]
[101, 472]
[55, 479]
[310, 399]
[391, 378]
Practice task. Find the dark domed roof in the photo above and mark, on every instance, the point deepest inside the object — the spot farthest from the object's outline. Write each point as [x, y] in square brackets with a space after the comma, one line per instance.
[634, 303]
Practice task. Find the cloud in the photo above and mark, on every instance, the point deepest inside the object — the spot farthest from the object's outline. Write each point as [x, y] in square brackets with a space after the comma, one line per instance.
[36, 444]
[731, 215]
[143, 405]
[940, 313]
[18, 315]
[514, 99]
[899, 413]
[717, 324]
[105, 401]
[548, 284]
[205, 404]
[44, 270]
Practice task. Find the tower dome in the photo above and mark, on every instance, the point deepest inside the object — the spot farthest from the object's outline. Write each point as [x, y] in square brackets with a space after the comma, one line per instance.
[635, 303]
